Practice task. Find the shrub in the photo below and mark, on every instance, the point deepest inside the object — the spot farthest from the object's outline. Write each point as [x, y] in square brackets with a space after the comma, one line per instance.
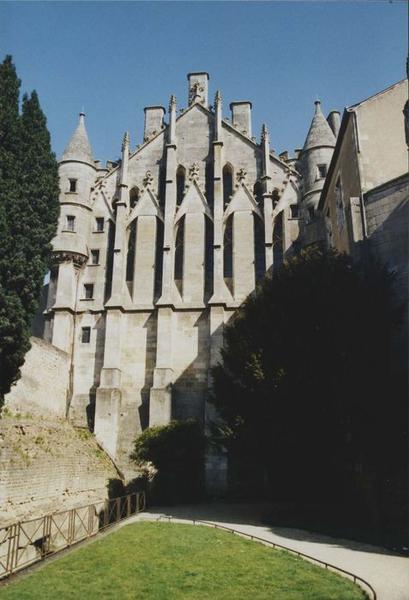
[177, 452]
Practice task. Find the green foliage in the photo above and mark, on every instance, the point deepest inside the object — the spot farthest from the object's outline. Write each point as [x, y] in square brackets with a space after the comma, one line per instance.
[177, 452]
[28, 218]
[157, 561]
[305, 387]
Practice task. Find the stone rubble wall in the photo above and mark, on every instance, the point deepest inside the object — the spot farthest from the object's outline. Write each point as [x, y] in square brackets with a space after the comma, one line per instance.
[49, 466]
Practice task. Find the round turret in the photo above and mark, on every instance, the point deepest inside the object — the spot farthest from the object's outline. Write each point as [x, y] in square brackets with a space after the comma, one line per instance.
[315, 158]
[77, 171]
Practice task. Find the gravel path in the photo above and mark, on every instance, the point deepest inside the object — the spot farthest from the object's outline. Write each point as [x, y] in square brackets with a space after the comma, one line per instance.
[388, 573]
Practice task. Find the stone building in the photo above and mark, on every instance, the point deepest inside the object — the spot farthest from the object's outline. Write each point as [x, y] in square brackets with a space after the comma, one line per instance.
[364, 204]
[154, 254]
[366, 193]
[371, 130]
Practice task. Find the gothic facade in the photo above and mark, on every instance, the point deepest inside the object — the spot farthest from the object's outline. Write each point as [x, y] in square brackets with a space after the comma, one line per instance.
[154, 254]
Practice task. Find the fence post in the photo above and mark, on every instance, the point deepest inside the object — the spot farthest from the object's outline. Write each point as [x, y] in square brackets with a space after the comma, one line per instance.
[11, 552]
[91, 511]
[71, 526]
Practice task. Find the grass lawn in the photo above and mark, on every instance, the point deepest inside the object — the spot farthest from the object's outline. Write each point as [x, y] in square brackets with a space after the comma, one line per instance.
[162, 561]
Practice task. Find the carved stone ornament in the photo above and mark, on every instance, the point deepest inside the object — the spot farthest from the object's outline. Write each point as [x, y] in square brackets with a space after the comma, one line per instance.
[195, 92]
[194, 172]
[241, 175]
[148, 180]
[60, 256]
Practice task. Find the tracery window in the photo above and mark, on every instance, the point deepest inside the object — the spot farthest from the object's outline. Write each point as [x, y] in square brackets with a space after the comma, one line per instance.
[278, 240]
[179, 253]
[180, 184]
[228, 249]
[133, 196]
[227, 183]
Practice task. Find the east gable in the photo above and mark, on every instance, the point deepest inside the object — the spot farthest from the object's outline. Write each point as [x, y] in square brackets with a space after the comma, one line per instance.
[194, 133]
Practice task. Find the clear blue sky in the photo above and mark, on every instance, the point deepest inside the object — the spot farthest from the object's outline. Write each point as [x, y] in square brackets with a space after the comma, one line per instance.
[115, 58]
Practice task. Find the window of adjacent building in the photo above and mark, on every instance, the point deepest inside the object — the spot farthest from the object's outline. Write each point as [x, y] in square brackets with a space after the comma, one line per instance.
[340, 205]
[85, 335]
[70, 223]
[88, 291]
[99, 223]
[322, 171]
[95, 257]
[73, 185]
[294, 211]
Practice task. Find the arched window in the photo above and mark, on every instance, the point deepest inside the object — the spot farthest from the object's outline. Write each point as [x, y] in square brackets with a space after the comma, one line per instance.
[162, 184]
[228, 253]
[276, 197]
[278, 241]
[130, 257]
[258, 191]
[180, 184]
[259, 248]
[209, 240]
[158, 258]
[179, 253]
[209, 183]
[109, 260]
[133, 196]
[227, 183]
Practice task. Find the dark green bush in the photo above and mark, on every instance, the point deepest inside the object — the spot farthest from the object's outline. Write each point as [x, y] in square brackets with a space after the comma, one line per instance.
[308, 392]
[177, 451]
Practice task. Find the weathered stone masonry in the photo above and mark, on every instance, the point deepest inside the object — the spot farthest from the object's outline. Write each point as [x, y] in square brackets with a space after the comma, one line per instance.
[154, 254]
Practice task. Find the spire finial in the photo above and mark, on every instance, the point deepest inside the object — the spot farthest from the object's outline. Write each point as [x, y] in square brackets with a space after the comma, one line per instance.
[218, 97]
[172, 102]
[317, 105]
[264, 133]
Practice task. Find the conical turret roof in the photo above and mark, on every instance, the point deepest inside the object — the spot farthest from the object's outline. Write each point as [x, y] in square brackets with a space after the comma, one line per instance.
[320, 133]
[78, 147]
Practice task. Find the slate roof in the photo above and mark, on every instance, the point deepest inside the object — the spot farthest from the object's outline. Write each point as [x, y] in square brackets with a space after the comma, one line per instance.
[78, 147]
[320, 133]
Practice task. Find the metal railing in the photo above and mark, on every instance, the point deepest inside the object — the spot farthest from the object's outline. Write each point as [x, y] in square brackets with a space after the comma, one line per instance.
[27, 542]
[365, 585]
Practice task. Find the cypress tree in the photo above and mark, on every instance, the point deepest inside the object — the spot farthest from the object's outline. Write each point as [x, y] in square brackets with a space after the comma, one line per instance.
[28, 218]
[39, 201]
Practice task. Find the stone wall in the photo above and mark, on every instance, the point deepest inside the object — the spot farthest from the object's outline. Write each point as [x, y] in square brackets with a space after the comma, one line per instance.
[43, 387]
[49, 466]
[386, 209]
